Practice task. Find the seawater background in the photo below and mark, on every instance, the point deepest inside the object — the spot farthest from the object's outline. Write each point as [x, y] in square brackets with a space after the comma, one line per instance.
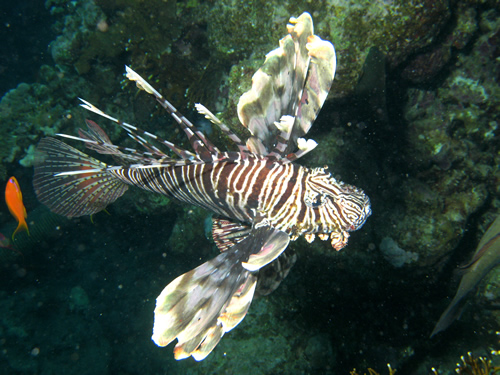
[79, 297]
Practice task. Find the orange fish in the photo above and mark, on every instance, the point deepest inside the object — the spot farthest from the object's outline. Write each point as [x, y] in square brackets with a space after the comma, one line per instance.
[14, 200]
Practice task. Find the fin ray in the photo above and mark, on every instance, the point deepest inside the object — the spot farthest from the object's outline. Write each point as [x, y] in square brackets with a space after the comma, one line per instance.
[202, 146]
[293, 81]
[71, 183]
[227, 233]
[201, 305]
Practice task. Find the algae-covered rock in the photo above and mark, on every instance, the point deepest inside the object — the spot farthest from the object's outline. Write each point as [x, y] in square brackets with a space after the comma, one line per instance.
[453, 150]
[396, 28]
[31, 111]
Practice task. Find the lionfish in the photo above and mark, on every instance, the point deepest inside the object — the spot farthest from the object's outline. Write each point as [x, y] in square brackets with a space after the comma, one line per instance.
[260, 199]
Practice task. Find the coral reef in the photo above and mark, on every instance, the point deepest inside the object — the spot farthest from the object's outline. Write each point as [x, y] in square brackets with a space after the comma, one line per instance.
[426, 65]
[397, 28]
[194, 44]
[452, 150]
[476, 366]
[472, 365]
[29, 112]
[431, 168]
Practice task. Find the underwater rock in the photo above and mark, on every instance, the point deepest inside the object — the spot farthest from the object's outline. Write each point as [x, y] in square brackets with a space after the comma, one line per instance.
[319, 352]
[452, 150]
[396, 29]
[394, 254]
[424, 66]
[31, 111]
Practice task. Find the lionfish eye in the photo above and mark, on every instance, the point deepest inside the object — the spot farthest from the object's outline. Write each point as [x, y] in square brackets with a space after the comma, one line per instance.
[316, 201]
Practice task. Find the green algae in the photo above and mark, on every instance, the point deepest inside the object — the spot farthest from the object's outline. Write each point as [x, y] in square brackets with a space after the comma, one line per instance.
[32, 111]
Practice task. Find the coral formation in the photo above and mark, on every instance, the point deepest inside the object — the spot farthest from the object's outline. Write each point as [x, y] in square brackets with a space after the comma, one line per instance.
[373, 372]
[29, 112]
[472, 365]
[476, 366]
[451, 147]
[394, 254]
[397, 28]
[431, 167]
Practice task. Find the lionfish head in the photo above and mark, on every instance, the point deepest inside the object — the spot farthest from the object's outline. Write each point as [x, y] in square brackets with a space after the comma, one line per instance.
[332, 208]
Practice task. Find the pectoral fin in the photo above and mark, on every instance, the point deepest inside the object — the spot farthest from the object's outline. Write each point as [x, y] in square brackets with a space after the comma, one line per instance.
[200, 306]
[276, 243]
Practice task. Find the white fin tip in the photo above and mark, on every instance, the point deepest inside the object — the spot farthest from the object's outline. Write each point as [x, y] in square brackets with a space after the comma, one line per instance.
[306, 145]
[141, 82]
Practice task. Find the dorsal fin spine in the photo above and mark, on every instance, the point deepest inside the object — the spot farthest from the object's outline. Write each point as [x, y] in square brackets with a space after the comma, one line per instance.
[202, 148]
[223, 127]
[131, 130]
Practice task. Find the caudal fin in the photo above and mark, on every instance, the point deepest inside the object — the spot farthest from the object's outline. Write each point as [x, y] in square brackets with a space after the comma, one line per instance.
[71, 183]
[200, 306]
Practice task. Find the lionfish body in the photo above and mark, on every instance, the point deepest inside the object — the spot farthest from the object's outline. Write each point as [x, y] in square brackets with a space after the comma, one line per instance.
[260, 198]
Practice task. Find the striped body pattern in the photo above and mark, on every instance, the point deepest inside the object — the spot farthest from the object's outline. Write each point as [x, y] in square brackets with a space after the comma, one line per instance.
[295, 199]
[261, 199]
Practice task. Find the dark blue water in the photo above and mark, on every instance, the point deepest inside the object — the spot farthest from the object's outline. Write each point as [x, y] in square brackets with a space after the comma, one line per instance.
[26, 32]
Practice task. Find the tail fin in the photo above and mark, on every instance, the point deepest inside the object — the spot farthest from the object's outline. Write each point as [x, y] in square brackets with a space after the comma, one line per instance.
[200, 306]
[71, 183]
[21, 226]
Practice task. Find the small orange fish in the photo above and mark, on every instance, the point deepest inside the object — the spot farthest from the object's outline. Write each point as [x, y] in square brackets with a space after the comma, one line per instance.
[14, 200]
